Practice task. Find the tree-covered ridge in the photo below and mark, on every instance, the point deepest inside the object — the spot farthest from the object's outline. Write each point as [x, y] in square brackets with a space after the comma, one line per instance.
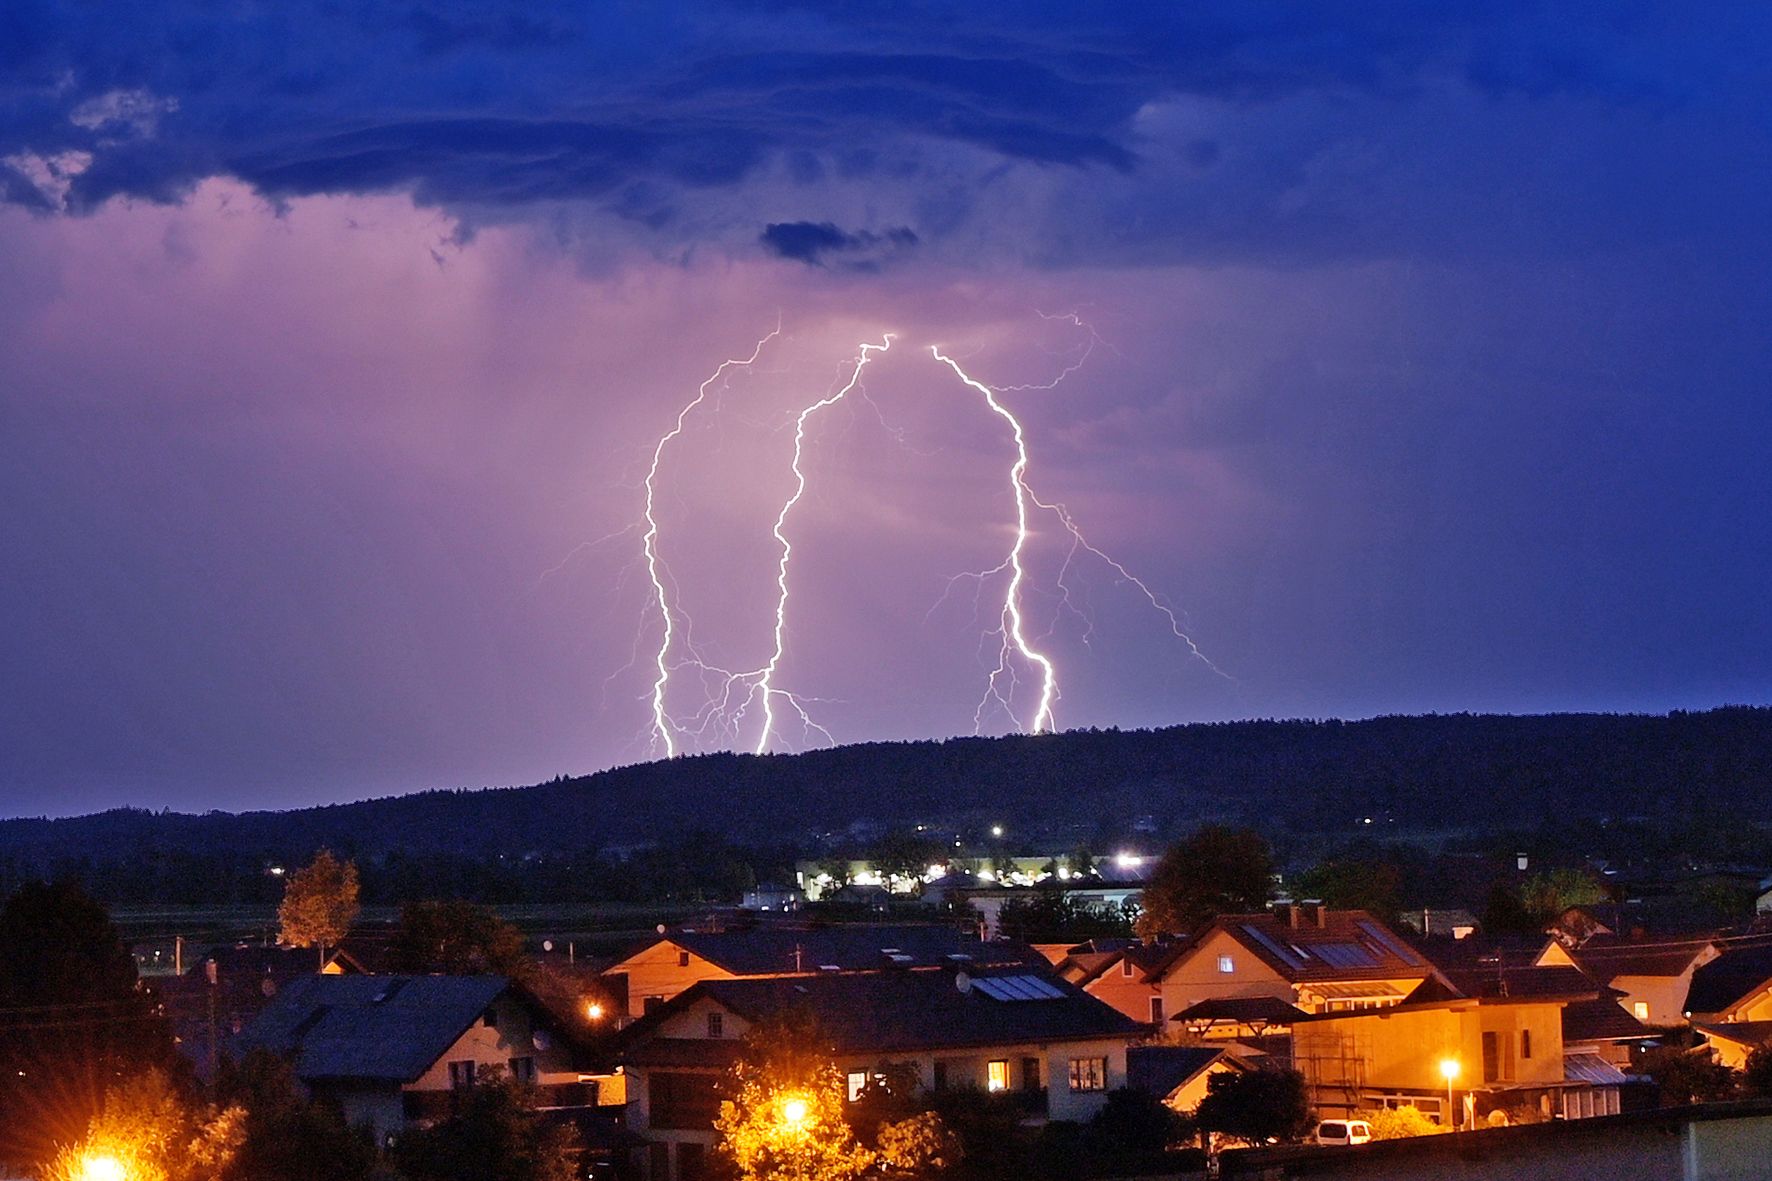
[1436, 771]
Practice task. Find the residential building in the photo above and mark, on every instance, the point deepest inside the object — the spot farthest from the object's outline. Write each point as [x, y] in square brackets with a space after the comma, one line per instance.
[677, 959]
[393, 1050]
[1119, 972]
[1316, 959]
[1016, 1030]
[1653, 976]
[1178, 1075]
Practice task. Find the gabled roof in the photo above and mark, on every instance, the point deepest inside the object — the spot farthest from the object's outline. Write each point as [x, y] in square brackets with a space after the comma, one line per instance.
[902, 1010]
[1601, 1019]
[1606, 960]
[1086, 964]
[1160, 1071]
[1335, 945]
[1522, 980]
[767, 951]
[1745, 1033]
[1242, 1010]
[1728, 980]
[369, 1028]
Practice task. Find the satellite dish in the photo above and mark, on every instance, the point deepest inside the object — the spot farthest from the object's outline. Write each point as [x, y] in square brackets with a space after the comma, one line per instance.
[547, 945]
[540, 1040]
[661, 928]
[963, 982]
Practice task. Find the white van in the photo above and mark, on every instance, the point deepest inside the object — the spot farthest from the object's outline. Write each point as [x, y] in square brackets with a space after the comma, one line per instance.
[1344, 1131]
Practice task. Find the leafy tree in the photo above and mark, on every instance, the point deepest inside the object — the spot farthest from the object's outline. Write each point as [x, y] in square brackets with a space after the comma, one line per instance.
[1397, 1123]
[74, 1020]
[1050, 915]
[319, 903]
[906, 855]
[496, 1135]
[785, 1119]
[1133, 1131]
[1217, 870]
[1351, 883]
[456, 938]
[1547, 895]
[288, 1137]
[146, 1132]
[1505, 914]
[1688, 1076]
[1756, 1074]
[919, 1146]
[1256, 1105]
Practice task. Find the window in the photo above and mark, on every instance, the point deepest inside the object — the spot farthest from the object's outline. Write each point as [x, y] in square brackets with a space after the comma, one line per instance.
[716, 1025]
[941, 1076]
[1226, 964]
[461, 1074]
[681, 1100]
[651, 1004]
[490, 1018]
[1525, 1043]
[1491, 1057]
[1156, 1010]
[682, 959]
[856, 1081]
[1126, 967]
[996, 1075]
[523, 1070]
[1088, 1074]
[1640, 1010]
[1030, 1074]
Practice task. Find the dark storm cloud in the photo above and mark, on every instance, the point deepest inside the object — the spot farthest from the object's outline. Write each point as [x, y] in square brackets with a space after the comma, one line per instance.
[653, 114]
[813, 242]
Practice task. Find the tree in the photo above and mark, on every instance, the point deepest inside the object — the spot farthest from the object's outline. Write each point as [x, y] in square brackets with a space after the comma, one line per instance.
[74, 1020]
[1756, 1073]
[288, 1137]
[1354, 883]
[918, 1146]
[1689, 1076]
[456, 938]
[785, 1119]
[319, 903]
[495, 1135]
[1547, 895]
[1215, 871]
[1255, 1105]
[1133, 1131]
[146, 1132]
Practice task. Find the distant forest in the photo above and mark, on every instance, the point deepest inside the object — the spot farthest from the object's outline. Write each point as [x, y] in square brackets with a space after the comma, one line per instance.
[1309, 779]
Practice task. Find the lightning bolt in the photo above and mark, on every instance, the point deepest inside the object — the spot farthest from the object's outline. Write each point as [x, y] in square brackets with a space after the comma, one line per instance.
[1012, 624]
[663, 730]
[765, 691]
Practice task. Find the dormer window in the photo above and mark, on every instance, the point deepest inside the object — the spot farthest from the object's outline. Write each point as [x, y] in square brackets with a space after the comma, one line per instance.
[1126, 968]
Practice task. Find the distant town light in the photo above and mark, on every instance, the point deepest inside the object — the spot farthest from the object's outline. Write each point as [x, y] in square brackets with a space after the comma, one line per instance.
[996, 830]
[1064, 871]
[1128, 860]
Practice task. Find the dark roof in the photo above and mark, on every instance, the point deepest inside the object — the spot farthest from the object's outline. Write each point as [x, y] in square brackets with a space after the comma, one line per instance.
[1244, 1010]
[1160, 1070]
[1521, 980]
[1480, 950]
[1746, 1033]
[1601, 1019]
[1729, 979]
[258, 961]
[771, 950]
[899, 1010]
[1606, 960]
[374, 1028]
[1338, 945]
[1091, 960]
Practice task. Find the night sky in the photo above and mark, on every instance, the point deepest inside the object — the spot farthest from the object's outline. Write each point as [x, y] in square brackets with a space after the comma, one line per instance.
[1418, 362]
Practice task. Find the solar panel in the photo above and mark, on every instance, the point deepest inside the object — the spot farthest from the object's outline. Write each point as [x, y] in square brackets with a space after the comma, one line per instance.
[1390, 943]
[1346, 955]
[1285, 955]
[1016, 988]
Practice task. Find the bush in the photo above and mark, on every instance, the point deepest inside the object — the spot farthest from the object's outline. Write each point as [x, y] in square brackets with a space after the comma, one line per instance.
[1400, 1123]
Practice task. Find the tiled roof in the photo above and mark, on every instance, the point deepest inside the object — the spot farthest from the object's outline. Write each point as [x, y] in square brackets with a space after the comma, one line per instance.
[773, 950]
[1160, 1070]
[1521, 980]
[1344, 945]
[1731, 978]
[900, 1010]
[369, 1028]
[1601, 1019]
[1607, 960]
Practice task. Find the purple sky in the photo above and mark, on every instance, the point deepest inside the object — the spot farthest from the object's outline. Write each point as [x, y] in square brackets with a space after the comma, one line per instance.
[1434, 373]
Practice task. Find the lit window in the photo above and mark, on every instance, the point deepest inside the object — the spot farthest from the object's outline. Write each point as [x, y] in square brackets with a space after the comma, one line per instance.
[1226, 965]
[1641, 1009]
[996, 1075]
[716, 1025]
[857, 1082]
[1088, 1074]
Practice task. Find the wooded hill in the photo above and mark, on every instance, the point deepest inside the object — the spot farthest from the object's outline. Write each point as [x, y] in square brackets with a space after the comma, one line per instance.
[1435, 772]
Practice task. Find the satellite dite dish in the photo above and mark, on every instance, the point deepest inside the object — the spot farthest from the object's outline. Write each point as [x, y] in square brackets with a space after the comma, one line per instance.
[547, 945]
[661, 928]
[962, 982]
[540, 1040]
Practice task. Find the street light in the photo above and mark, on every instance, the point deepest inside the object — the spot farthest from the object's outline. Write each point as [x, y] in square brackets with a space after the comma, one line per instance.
[793, 1113]
[1449, 1067]
[102, 1166]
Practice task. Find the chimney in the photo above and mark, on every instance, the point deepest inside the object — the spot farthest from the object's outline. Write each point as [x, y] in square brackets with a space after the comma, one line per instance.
[1292, 914]
[1322, 915]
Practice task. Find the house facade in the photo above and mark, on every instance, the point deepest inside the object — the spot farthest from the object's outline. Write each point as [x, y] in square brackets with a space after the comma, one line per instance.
[1015, 1031]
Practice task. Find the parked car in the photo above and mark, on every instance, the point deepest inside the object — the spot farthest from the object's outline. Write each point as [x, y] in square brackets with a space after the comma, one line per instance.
[1344, 1131]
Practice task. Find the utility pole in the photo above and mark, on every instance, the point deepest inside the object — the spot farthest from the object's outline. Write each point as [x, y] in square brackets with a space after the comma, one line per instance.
[178, 955]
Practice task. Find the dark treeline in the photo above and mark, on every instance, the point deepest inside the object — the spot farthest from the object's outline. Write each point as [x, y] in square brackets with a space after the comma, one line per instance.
[1437, 772]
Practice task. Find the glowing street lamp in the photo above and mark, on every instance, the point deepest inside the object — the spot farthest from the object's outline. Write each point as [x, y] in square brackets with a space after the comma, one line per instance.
[1449, 1068]
[794, 1113]
[101, 1166]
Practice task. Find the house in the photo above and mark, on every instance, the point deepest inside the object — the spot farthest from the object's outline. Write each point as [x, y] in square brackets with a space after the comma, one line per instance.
[1654, 976]
[1119, 972]
[1503, 1054]
[392, 1050]
[1733, 986]
[1018, 1030]
[1319, 961]
[1177, 1075]
[678, 959]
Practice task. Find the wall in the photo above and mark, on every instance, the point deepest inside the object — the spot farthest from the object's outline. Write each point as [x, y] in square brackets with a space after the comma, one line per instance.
[658, 971]
[514, 1037]
[1129, 994]
[1195, 977]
